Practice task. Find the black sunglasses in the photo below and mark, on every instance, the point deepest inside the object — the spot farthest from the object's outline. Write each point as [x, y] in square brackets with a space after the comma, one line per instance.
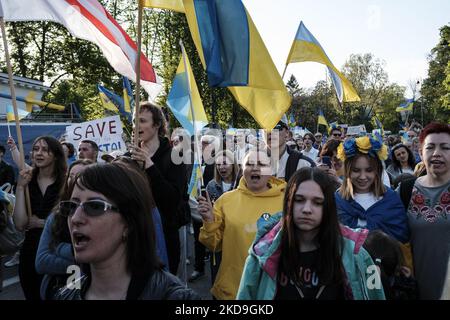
[92, 208]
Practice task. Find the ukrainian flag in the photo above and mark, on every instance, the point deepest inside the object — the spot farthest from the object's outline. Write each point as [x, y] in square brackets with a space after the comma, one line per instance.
[113, 102]
[127, 95]
[174, 5]
[179, 102]
[234, 56]
[307, 48]
[321, 119]
[10, 113]
[406, 106]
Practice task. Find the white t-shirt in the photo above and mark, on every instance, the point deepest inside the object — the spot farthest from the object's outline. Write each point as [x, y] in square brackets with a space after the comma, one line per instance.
[226, 186]
[312, 154]
[365, 200]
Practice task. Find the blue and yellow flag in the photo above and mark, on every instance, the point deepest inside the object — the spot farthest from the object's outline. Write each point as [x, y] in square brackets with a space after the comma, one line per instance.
[234, 56]
[321, 119]
[127, 95]
[113, 102]
[10, 113]
[179, 102]
[292, 122]
[174, 5]
[307, 48]
[105, 98]
[407, 105]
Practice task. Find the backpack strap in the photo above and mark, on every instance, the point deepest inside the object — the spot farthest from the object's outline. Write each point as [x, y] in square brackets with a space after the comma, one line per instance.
[291, 164]
[406, 188]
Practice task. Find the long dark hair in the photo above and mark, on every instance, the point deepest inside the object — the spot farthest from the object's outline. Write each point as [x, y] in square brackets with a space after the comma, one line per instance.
[411, 158]
[60, 229]
[60, 164]
[329, 237]
[130, 191]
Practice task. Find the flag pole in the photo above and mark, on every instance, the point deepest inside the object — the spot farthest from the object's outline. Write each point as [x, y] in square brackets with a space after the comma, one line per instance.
[183, 52]
[14, 103]
[138, 75]
[284, 71]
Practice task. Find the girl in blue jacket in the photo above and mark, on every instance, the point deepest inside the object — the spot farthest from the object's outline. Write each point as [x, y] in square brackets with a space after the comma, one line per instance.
[304, 254]
[363, 201]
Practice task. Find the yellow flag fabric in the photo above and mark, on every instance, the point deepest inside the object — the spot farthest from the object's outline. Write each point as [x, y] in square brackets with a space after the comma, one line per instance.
[306, 48]
[322, 120]
[174, 5]
[265, 96]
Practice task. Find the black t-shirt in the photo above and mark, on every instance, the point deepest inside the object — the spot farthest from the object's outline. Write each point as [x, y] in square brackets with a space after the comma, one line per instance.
[310, 287]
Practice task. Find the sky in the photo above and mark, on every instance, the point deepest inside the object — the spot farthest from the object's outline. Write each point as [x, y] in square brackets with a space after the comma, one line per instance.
[400, 32]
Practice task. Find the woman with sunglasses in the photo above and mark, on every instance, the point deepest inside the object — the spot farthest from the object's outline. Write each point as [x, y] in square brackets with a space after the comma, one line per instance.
[55, 251]
[45, 181]
[113, 238]
[302, 253]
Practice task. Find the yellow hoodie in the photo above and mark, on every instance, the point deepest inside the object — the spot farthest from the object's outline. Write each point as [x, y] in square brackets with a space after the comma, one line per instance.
[234, 229]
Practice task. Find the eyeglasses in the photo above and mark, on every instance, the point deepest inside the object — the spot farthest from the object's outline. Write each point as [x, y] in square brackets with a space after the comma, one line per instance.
[336, 134]
[92, 208]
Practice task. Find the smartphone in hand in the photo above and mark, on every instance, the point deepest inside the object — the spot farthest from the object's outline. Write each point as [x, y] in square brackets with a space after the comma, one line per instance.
[326, 160]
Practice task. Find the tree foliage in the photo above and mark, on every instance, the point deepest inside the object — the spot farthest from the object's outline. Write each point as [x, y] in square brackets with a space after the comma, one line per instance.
[46, 51]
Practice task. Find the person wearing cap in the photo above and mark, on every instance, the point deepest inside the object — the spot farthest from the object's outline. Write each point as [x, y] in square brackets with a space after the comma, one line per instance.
[288, 160]
[318, 143]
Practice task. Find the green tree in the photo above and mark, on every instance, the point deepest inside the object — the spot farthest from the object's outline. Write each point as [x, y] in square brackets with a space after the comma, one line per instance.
[436, 87]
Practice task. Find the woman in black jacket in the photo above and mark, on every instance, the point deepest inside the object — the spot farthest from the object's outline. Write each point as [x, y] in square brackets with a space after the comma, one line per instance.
[113, 237]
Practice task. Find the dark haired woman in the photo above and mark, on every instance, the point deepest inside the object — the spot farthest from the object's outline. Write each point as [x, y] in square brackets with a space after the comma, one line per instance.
[303, 253]
[44, 181]
[403, 161]
[113, 238]
[55, 251]
[363, 201]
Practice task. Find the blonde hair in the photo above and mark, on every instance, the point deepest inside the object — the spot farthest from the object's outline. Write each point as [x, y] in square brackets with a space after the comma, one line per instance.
[377, 188]
[230, 155]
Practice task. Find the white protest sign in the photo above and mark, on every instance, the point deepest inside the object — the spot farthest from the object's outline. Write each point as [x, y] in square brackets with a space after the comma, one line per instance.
[106, 132]
[356, 130]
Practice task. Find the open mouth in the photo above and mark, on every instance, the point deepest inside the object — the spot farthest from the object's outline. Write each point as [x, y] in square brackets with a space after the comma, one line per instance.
[80, 240]
[255, 177]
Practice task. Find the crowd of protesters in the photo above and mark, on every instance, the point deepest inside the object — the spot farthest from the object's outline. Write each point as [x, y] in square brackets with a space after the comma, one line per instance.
[281, 216]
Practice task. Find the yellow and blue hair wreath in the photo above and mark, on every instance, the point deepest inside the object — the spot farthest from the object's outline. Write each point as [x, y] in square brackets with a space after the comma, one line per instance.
[365, 145]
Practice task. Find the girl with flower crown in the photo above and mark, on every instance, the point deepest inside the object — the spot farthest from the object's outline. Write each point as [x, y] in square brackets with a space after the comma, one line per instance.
[363, 201]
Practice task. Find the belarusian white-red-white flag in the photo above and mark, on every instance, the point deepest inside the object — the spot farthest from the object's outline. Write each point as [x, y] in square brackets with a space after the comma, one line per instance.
[88, 20]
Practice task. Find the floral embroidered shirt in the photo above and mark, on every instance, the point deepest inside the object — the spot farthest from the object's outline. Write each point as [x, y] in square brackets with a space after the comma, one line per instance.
[429, 223]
